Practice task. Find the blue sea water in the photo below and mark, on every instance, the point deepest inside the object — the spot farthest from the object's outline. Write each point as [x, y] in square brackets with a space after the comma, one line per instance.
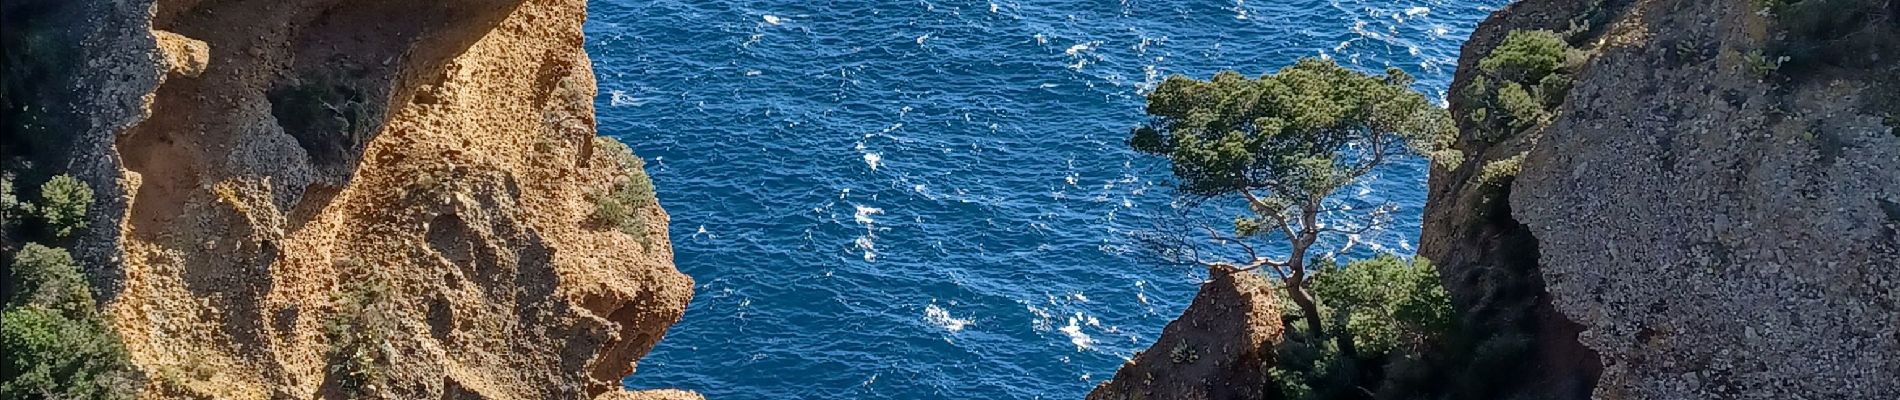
[933, 199]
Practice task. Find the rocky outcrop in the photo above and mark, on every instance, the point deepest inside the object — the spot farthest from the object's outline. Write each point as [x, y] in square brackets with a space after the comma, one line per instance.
[1724, 222]
[1489, 260]
[1221, 347]
[259, 162]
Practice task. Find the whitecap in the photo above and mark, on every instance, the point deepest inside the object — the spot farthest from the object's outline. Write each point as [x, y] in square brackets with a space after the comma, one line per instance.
[1417, 11]
[870, 248]
[938, 316]
[773, 19]
[863, 215]
[867, 242]
[921, 39]
[872, 159]
[1082, 341]
[1042, 320]
[1078, 48]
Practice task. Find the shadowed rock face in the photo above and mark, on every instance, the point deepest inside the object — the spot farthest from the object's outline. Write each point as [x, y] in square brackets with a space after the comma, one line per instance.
[1220, 347]
[257, 159]
[1488, 259]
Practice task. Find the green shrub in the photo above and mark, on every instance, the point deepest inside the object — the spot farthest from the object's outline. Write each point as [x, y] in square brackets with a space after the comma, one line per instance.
[1390, 304]
[10, 206]
[1525, 56]
[1393, 311]
[53, 343]
[1525, 110]
[1499, 172]
[624, 204]
[359, 332]
[1761, 66]
[63, 204]
[1520, 82]
[48, 276]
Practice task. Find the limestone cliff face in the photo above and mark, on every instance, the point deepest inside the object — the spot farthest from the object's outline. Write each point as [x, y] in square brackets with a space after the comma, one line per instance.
[1220, 348]
[1725, 225]
[258, 159]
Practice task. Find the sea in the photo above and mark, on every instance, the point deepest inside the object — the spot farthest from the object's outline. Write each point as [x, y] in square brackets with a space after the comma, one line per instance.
[935, 199]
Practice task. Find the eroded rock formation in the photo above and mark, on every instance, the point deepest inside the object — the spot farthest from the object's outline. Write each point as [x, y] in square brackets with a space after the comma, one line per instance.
[259, 160]
[1220, 348]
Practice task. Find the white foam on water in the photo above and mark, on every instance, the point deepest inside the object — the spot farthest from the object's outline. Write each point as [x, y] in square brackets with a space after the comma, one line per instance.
[870, 248]
[1078, 48]
[1417, 11]
[872, 160]
[938, 316]
[773, 19]
[1043, 321]
[867, 242]
[618, 98]
[862, 215]
[1082, 341]
[921, 39]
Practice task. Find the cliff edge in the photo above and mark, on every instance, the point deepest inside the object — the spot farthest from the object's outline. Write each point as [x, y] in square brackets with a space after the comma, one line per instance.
[1674, 199]
[359, 198]
[1220, 348]
[1718, 200]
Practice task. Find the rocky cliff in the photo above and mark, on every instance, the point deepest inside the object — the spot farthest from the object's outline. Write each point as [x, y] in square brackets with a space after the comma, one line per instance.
[1705, 205]
[1717, 202]
[356, 198]
[1220, 347]
[1712, 202]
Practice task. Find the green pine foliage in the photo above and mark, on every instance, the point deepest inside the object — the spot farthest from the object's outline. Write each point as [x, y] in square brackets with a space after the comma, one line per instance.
[1390, 304]
[1520, 84]
[63, 204]
[1395, 314]
[1500, 172]
[56, 344]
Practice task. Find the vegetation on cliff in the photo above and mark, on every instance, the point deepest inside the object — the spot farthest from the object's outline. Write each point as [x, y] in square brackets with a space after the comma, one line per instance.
[624, 206]
[54, 342]
[1520, 84]
[1396, 316]
[1283, 144]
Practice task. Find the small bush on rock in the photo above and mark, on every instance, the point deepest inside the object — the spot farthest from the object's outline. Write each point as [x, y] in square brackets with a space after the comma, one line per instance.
[359, 333]
[1520, 83]
[623, 205]
[63, 204]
